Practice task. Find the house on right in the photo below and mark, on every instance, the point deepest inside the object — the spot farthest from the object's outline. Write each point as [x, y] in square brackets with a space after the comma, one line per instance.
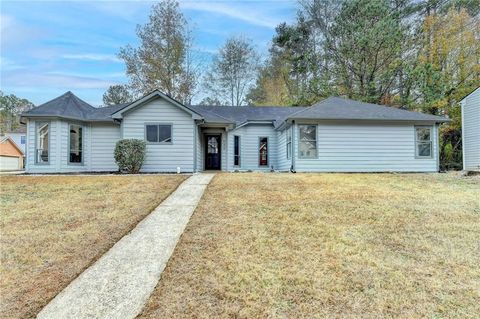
[471, 131]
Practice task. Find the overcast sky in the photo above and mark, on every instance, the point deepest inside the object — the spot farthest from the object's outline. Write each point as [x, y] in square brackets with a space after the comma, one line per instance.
[50, 47]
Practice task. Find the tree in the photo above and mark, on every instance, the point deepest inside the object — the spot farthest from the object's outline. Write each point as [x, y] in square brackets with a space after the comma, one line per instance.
[366, 46]
[164, 58]
[117, 94]
[11, 107]
[233, 71]
[210, 101]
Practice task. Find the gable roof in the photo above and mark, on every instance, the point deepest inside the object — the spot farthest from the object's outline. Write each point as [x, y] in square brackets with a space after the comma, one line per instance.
[150, 96]
[9, 140]
[471, 93]
[337, 108]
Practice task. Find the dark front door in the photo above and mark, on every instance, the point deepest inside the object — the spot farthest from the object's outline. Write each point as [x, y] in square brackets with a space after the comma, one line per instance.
[212, 152]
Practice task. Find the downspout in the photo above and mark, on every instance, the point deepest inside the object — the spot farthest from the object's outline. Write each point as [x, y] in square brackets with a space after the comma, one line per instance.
[195, 129]
[437, 141]
[462, 109]
[292, 167]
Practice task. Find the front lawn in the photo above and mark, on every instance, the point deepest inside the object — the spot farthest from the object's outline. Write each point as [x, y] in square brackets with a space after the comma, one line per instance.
[53, 227]
[327, 246]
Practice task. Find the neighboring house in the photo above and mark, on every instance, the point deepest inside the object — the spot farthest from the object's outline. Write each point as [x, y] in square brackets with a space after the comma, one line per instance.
[471, 130]
[19, 136]
[11, 155]
[335, 135]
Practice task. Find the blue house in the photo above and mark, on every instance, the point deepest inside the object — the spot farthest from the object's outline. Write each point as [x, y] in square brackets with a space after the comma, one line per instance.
[67, 134]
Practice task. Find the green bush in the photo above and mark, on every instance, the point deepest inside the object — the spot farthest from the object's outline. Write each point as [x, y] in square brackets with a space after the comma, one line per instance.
[129, 155]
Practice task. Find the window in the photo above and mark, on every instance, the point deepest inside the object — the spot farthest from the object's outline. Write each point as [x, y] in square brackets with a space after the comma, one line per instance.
[289, 143]
[307, 142]
[22, 139]
[263, 151]
[76, 144]
[158, 133]
[42, 142]
[423, 142]
[236, 150]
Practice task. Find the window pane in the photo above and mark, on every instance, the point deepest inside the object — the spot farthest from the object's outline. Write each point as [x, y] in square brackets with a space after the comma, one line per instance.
[263, 151]
[425, 149]
[152, 133]
[165, 133]
[42, 142]
[76, 146]
[423, 134]
[307, 149]
[236, 150]
[308, 132]
[307, 145]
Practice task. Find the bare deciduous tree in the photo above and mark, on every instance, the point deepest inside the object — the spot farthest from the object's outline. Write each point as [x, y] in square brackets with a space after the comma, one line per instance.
[164, 59]
[233, 71]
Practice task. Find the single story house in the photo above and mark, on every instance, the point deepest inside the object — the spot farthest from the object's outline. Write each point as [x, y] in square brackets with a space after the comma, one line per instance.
[11, 155]
[67, 134]
[471, 131]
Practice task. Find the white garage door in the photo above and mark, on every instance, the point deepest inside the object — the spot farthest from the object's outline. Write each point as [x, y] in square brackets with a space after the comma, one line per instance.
[8, 163]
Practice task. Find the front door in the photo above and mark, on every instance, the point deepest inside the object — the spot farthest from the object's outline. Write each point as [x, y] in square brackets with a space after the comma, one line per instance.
[213, 151]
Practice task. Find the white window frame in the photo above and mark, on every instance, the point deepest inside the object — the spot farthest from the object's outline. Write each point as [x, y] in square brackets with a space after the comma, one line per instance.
[417, 142]
[300, 141]
[239, 151]
[37, 125]
[69, 144]
[158, 133]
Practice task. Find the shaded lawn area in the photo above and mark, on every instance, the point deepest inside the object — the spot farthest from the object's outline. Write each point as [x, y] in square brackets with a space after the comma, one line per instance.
[327, 246]
[53, 227]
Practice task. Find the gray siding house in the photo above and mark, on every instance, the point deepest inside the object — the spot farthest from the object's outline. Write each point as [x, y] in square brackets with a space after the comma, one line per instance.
[471, 131]
[335, 135]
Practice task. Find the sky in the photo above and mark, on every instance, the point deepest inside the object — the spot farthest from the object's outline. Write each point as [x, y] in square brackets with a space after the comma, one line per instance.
[50, 47]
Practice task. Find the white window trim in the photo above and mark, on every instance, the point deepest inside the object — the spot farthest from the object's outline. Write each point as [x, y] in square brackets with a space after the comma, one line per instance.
[417, 156]
[268, 151]
[239, 151]
[36, 142]
[83, 145]
[158, 132]
[300, 141]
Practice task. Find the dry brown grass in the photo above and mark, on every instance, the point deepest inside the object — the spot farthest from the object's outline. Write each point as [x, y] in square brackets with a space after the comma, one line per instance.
[53, 227]
[327, 246]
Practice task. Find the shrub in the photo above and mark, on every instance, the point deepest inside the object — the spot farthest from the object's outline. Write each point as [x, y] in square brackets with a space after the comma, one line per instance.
[129, 155]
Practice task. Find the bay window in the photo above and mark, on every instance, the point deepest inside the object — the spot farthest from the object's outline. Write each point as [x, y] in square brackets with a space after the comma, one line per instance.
[75, 152]
[42, 142]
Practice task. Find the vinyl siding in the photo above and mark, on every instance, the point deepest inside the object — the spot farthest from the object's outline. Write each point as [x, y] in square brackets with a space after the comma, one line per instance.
[471, 131]
[366, 148]
[104, 138]
[163, 157]
[249, 144]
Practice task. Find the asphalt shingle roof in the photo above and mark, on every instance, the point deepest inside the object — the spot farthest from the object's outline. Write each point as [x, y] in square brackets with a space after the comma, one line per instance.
[70, 106]
[242, 114]
[334, 108]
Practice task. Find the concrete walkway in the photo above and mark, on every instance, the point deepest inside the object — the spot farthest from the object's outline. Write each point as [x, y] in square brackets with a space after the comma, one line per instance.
[119, 284]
